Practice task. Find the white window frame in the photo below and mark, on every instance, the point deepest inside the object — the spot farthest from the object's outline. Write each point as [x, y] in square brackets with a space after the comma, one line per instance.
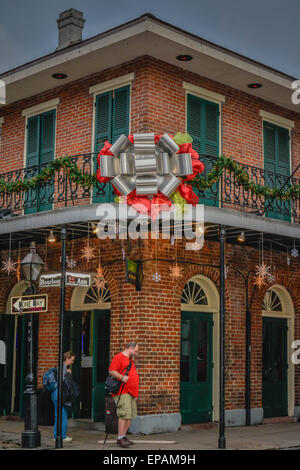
[102, 87]
[280, 122]
[213, 97]
[34, 111]
[109, 85]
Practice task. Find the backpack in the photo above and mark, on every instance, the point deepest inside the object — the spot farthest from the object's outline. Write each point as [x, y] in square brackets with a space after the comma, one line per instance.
[70, 389]
[50, 379]
[112, 385]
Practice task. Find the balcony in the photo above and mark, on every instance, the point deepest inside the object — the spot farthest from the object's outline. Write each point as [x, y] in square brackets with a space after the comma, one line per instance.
[61, 191]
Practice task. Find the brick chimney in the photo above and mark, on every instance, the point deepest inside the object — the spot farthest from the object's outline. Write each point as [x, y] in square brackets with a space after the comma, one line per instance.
[70, 25]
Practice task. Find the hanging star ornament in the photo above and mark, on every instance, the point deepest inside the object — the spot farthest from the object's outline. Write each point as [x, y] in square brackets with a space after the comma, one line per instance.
[9, 265]
[156, 277]
[71, 263]
[259, 281]
[99, 284]
[263, 270]
[294, 253]
[175, 271]
[88, 252]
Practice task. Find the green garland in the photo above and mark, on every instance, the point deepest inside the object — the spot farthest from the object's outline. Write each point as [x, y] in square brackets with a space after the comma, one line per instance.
[241, 176]
[200, 182]
[75, 174]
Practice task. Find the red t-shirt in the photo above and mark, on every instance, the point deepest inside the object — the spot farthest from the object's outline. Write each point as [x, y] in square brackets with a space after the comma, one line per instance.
[119, 363]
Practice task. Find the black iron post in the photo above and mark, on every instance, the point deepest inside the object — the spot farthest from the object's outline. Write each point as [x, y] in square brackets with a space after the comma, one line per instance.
[248, 359]
[32, 265]
[31, 436]
[222, 440]
[59, 439]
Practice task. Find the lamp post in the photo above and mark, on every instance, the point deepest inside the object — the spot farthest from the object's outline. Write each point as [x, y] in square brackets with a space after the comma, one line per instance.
[32, 266]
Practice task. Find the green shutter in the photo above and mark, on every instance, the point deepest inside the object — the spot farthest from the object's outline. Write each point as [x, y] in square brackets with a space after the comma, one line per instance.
[47, 156]
[112, 120]
[40, 151]
[32, 162]
[120, 123]
[276, 161]
[33, 141]
[103, 120]
[203, 127]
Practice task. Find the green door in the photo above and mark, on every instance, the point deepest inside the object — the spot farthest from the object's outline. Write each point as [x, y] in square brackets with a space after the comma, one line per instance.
[196, 367]
[101, 336]
[112, 120]
[72, 341]
[203, 127]
[40, 152]
[277, 167]
[6, 362]
[274, 378]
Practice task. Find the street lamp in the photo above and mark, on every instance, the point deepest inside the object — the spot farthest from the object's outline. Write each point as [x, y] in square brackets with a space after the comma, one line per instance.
[32, 266]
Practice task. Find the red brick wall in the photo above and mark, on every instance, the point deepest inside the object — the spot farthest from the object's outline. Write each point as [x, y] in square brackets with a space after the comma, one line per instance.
[152, 316]
[157, 104]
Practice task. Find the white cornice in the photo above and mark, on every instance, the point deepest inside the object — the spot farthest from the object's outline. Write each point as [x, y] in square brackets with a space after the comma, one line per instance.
[275, 119]
[112, 84]
[203, 93]
[41, 107]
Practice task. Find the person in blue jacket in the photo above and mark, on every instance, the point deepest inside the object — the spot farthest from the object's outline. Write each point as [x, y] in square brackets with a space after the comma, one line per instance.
[69, 358]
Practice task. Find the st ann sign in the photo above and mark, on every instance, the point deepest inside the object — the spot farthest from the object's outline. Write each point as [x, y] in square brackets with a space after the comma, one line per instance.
[29, 304]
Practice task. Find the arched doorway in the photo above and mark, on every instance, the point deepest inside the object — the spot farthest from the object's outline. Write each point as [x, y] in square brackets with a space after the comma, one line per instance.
[13, 332]
[87, 334]
[199, 358]
[277, 337]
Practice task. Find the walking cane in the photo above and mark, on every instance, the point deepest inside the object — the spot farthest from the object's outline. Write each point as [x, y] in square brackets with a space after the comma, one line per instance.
[116, 406]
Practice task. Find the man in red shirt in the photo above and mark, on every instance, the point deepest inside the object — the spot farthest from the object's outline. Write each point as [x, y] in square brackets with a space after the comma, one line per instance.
[128, 393]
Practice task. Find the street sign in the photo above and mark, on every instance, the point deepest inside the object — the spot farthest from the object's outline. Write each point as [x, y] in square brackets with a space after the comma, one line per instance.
[78, 279]
[29, 304]
[72, 279]
[50, 280]
[134, 273]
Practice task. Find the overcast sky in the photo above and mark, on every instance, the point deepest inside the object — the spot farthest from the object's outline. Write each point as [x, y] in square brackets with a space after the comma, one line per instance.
[264, 30]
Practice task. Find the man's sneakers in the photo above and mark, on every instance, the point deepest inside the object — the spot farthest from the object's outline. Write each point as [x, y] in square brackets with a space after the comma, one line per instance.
[66, 439]
[124, 442]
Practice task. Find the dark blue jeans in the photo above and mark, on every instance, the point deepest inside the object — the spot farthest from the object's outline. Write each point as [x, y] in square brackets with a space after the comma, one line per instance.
[64, 416]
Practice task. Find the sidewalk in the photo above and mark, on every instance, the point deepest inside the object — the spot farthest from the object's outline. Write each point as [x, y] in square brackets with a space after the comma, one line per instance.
[267, 436]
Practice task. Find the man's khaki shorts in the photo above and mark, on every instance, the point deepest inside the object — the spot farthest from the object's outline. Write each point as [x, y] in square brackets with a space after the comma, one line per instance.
[127, 406]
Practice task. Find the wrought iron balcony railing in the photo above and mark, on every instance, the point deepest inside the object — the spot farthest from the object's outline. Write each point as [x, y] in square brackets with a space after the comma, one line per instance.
[61, 191]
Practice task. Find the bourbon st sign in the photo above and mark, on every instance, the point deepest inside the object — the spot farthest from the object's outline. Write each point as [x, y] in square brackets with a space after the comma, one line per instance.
[29, 304]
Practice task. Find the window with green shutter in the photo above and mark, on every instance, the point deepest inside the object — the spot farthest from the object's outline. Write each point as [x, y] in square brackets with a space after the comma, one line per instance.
[39, 152]
[203, 127]
[111, 120]
[277, 167]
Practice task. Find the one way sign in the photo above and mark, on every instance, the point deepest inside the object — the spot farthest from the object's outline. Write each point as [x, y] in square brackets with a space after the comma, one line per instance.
[29, 304]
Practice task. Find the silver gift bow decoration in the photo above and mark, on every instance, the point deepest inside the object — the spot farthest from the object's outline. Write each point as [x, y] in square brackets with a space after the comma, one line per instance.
[146, 166]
